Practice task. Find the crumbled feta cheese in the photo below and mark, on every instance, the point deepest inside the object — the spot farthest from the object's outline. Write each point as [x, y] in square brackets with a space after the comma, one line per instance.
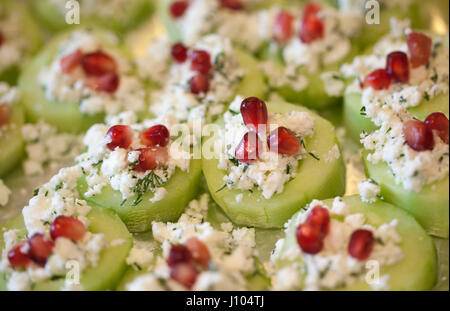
[369, 190]
[5, 192]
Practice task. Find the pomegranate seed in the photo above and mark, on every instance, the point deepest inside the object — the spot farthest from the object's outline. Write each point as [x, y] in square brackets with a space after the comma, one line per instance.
[201, 61]
[69, 62]
[320, 217]
[5, 114]
[199, 84]
[378, 79]
[437, 121]
[179, 52]
[98, 64]
[397, 66]
[199, 251]
[284, 142]
[185, 274]
[309, 238]
[67, 227]
[312, 27]
[108, 83]
[419, 47]
[150, 158]
[284, 28]
[232, 4]
[254, 113]
[157, 135]
[17, 258]
[178, 8]
[120, 135]
[361, 244]
[2, 39]
[418, 136]
[178, 254]
[311, 9]
[249, 148]
[39, 248]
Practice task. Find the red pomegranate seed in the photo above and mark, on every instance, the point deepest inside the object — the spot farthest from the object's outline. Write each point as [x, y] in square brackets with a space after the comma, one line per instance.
[108, 83]
[17, 258]
[150, 158]
[199, 84]
[232, 4]
[309, 238]
[418, 136]
[378, 79]
[419, 47]
[284, 142]
[254, 113]
[67, 227]
[284, 27]
[157, 135]
[98, 64]
[178, 254]
[361, 244]
[5, 114]
[437, 121]
[121, 137]
[311, 9]
[201, 61]
[249, 148]
[39, 248]
[199, 251]
[178, 8]
[185, 274]
[397, 66]
[320, 217]
[2, 39]
[69, 62]
[179, 52]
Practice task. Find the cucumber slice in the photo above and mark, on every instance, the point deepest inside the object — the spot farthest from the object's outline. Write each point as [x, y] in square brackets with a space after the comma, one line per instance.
[315, 178]
[417, 269]
[181, 188]
[356, 123]
[64, 115]
[429, 206]
[54, 18]
[11, 142]
[253, 81]
[111, 264]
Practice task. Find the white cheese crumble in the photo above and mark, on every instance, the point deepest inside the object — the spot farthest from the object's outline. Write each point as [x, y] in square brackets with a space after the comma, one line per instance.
[369, 190]
[130, 95]
[231, 250]
[5, 192]
[333, 267]
[103, 166]
[270, 171]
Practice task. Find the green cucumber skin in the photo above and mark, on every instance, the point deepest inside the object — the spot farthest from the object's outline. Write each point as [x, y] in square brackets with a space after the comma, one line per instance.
[12, 151]
[429, 206]
[355, 123]
[111, 265]
[315, 179]
[65, 116]
[54, 20]
[182, 187]
[418, 268]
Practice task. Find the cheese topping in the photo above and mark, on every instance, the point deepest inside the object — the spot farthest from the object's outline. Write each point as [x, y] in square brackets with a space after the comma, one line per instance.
[5, 192]
[333, 267]
[271, 171]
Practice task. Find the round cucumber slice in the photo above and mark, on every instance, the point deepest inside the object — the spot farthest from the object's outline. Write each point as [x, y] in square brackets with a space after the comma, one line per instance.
[356, 123]
[252, 83]
[111, 264]
[315, 178]
[429, 206]
[417, 269]
[11, 142]
[64, 115]
[181, 188]
[54, 18]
